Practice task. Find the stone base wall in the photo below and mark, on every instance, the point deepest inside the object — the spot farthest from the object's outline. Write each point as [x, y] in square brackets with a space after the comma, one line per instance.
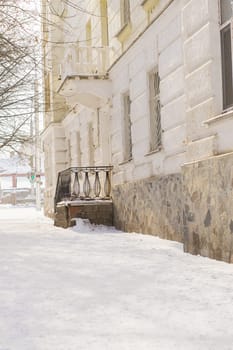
[151, 206]
[98, 212]
[61, 216]
[194, 207]
[208, 207]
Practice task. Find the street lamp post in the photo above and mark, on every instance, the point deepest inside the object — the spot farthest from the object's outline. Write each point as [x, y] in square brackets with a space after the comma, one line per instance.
[37, 147]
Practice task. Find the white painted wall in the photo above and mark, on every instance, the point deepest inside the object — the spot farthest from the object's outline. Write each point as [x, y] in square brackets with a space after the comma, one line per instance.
[184, 42]
[156, 46]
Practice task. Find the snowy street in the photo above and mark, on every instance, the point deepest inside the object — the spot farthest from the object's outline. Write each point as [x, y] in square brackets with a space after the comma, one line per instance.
[92, 288]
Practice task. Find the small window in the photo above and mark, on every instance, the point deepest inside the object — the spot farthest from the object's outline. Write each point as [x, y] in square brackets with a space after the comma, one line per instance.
[125, 12]
[155, 113]
[127, 128]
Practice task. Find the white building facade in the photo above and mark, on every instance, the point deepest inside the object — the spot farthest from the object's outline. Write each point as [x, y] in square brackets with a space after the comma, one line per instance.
[146, 86]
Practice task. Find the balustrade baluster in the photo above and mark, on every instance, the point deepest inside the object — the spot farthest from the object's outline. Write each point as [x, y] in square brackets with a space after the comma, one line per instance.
[76, 186]
[107, 185]
[97, 185]
[86, 60]
[86, 185]
[79, 185]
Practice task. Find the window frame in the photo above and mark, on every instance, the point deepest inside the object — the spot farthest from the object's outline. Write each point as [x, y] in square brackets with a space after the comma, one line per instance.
[127, 128]
[224, 27]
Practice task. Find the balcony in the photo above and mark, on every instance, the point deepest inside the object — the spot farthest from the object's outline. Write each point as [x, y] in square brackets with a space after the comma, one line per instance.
[84, 77]
[83, 192]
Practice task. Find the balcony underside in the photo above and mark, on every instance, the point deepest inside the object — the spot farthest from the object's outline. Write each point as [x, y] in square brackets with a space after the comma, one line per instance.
[90, 91]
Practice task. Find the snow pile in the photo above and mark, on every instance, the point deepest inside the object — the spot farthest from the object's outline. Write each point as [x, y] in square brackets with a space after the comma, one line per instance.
[84, 226]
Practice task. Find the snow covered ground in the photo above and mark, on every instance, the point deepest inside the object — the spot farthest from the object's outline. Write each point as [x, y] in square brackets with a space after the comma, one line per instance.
[93, 288]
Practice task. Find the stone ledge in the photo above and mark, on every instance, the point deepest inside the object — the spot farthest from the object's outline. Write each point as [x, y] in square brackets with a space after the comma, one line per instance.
[85, 202]
[199, 162]
[217, 118]
[202, 148]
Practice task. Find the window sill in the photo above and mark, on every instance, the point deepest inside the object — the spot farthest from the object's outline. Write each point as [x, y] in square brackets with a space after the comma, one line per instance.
[224, 115]
[124, 32]
[150, 153]
[126, 161]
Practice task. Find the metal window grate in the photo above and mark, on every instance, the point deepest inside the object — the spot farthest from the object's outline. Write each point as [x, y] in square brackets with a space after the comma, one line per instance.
[155, 112]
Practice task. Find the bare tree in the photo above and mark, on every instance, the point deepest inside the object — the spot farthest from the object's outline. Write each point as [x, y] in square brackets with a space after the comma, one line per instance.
[18, 63]
[20, 59]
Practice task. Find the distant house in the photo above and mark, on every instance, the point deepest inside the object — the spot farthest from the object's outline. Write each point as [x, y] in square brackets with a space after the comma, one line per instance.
[146, 86]
[16, 181]
[12, 170]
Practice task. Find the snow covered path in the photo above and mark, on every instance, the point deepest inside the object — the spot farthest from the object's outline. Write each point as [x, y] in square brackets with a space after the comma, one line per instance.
[68, 290]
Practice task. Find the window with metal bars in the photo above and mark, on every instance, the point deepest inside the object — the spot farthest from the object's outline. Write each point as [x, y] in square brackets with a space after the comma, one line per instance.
[155, 111]
[127, 142]
[226, 52]
[125, 12]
